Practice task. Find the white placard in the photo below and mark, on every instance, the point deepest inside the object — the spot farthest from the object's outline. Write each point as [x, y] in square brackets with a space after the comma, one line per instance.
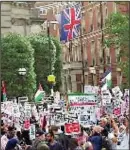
[57, 97]
[32, 132]
[117, 92]
[91, 89]
[16, 112]
[85, 106]
[27, 108]
[106, 97]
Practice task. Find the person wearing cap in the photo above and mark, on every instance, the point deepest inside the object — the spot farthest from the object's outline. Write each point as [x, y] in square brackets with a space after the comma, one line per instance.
[40, 138]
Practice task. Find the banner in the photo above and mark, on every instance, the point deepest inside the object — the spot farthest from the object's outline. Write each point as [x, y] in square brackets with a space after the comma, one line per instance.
[85, 106]
[72, 128]
[78, 103]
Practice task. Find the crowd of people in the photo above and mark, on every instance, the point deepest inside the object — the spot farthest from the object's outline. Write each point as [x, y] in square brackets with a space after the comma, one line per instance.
[108, 134]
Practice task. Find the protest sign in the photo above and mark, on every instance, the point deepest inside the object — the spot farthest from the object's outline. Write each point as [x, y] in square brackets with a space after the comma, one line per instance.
[106, 97]
[16, 110]
[85, 106]
[57, 97]
[59, 118]
[27, 108]
[91, 89]
[117, 92]
[72, 128]
[32, 132]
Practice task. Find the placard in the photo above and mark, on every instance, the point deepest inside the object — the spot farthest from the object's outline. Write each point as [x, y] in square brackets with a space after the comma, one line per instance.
[27, 108]
[72, 128]
[85, 106]
[16, 112]
[91, 89]
[117, 92]
[79, 103]
[106, 97]
[32, 132]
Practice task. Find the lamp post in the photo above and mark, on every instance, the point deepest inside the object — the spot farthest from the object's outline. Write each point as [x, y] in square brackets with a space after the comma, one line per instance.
[92, 71]
[51, 78]
[22, 72]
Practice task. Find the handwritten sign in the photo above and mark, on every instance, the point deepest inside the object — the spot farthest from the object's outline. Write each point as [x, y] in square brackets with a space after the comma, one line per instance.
[72, 128]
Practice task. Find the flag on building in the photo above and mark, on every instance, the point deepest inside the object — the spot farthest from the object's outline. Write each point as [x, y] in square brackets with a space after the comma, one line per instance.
[39, 94]
[3, 89]
[70, 23]
[106, 80]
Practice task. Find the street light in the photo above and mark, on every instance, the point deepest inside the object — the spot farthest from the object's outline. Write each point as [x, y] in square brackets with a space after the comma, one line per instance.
[92, 72]
[51, 78]
[22, 72]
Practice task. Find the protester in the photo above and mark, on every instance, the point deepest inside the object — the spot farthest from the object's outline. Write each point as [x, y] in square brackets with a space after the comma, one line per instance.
[52, 143]
[40, 139]
[96, 138]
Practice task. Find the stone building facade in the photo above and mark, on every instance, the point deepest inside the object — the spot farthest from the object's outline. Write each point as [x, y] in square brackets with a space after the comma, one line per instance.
[19, 17]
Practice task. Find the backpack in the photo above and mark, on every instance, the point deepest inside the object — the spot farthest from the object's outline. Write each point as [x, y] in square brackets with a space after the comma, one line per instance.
[106, 144]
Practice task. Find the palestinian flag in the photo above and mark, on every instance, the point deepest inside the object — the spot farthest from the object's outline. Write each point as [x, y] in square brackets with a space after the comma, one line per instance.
[3, 89]
[39, 94]
[106, 80]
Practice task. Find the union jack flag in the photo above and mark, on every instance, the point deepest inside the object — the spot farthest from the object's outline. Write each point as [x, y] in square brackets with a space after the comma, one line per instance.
[70, 23]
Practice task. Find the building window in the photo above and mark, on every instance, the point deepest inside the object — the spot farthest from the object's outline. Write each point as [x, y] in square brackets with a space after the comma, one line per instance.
[93, 53]
[100, 52]
[108, 58]
[79, 88]
[79, 53]
[118, 58]
[106, 12]
[86, 79]
[54, 26]
[90, 20]
[98, 19]
[43, 11]
[85, 51]
[78, 77]
[115, 7]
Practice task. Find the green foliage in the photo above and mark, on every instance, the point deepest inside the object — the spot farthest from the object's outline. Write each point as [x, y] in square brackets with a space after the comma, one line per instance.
[43, 60]
[118, 37]
[16, 53]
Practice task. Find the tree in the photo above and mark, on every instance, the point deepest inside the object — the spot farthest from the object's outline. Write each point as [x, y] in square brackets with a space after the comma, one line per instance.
[44, 57]
[117, 29]
[17, 52]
